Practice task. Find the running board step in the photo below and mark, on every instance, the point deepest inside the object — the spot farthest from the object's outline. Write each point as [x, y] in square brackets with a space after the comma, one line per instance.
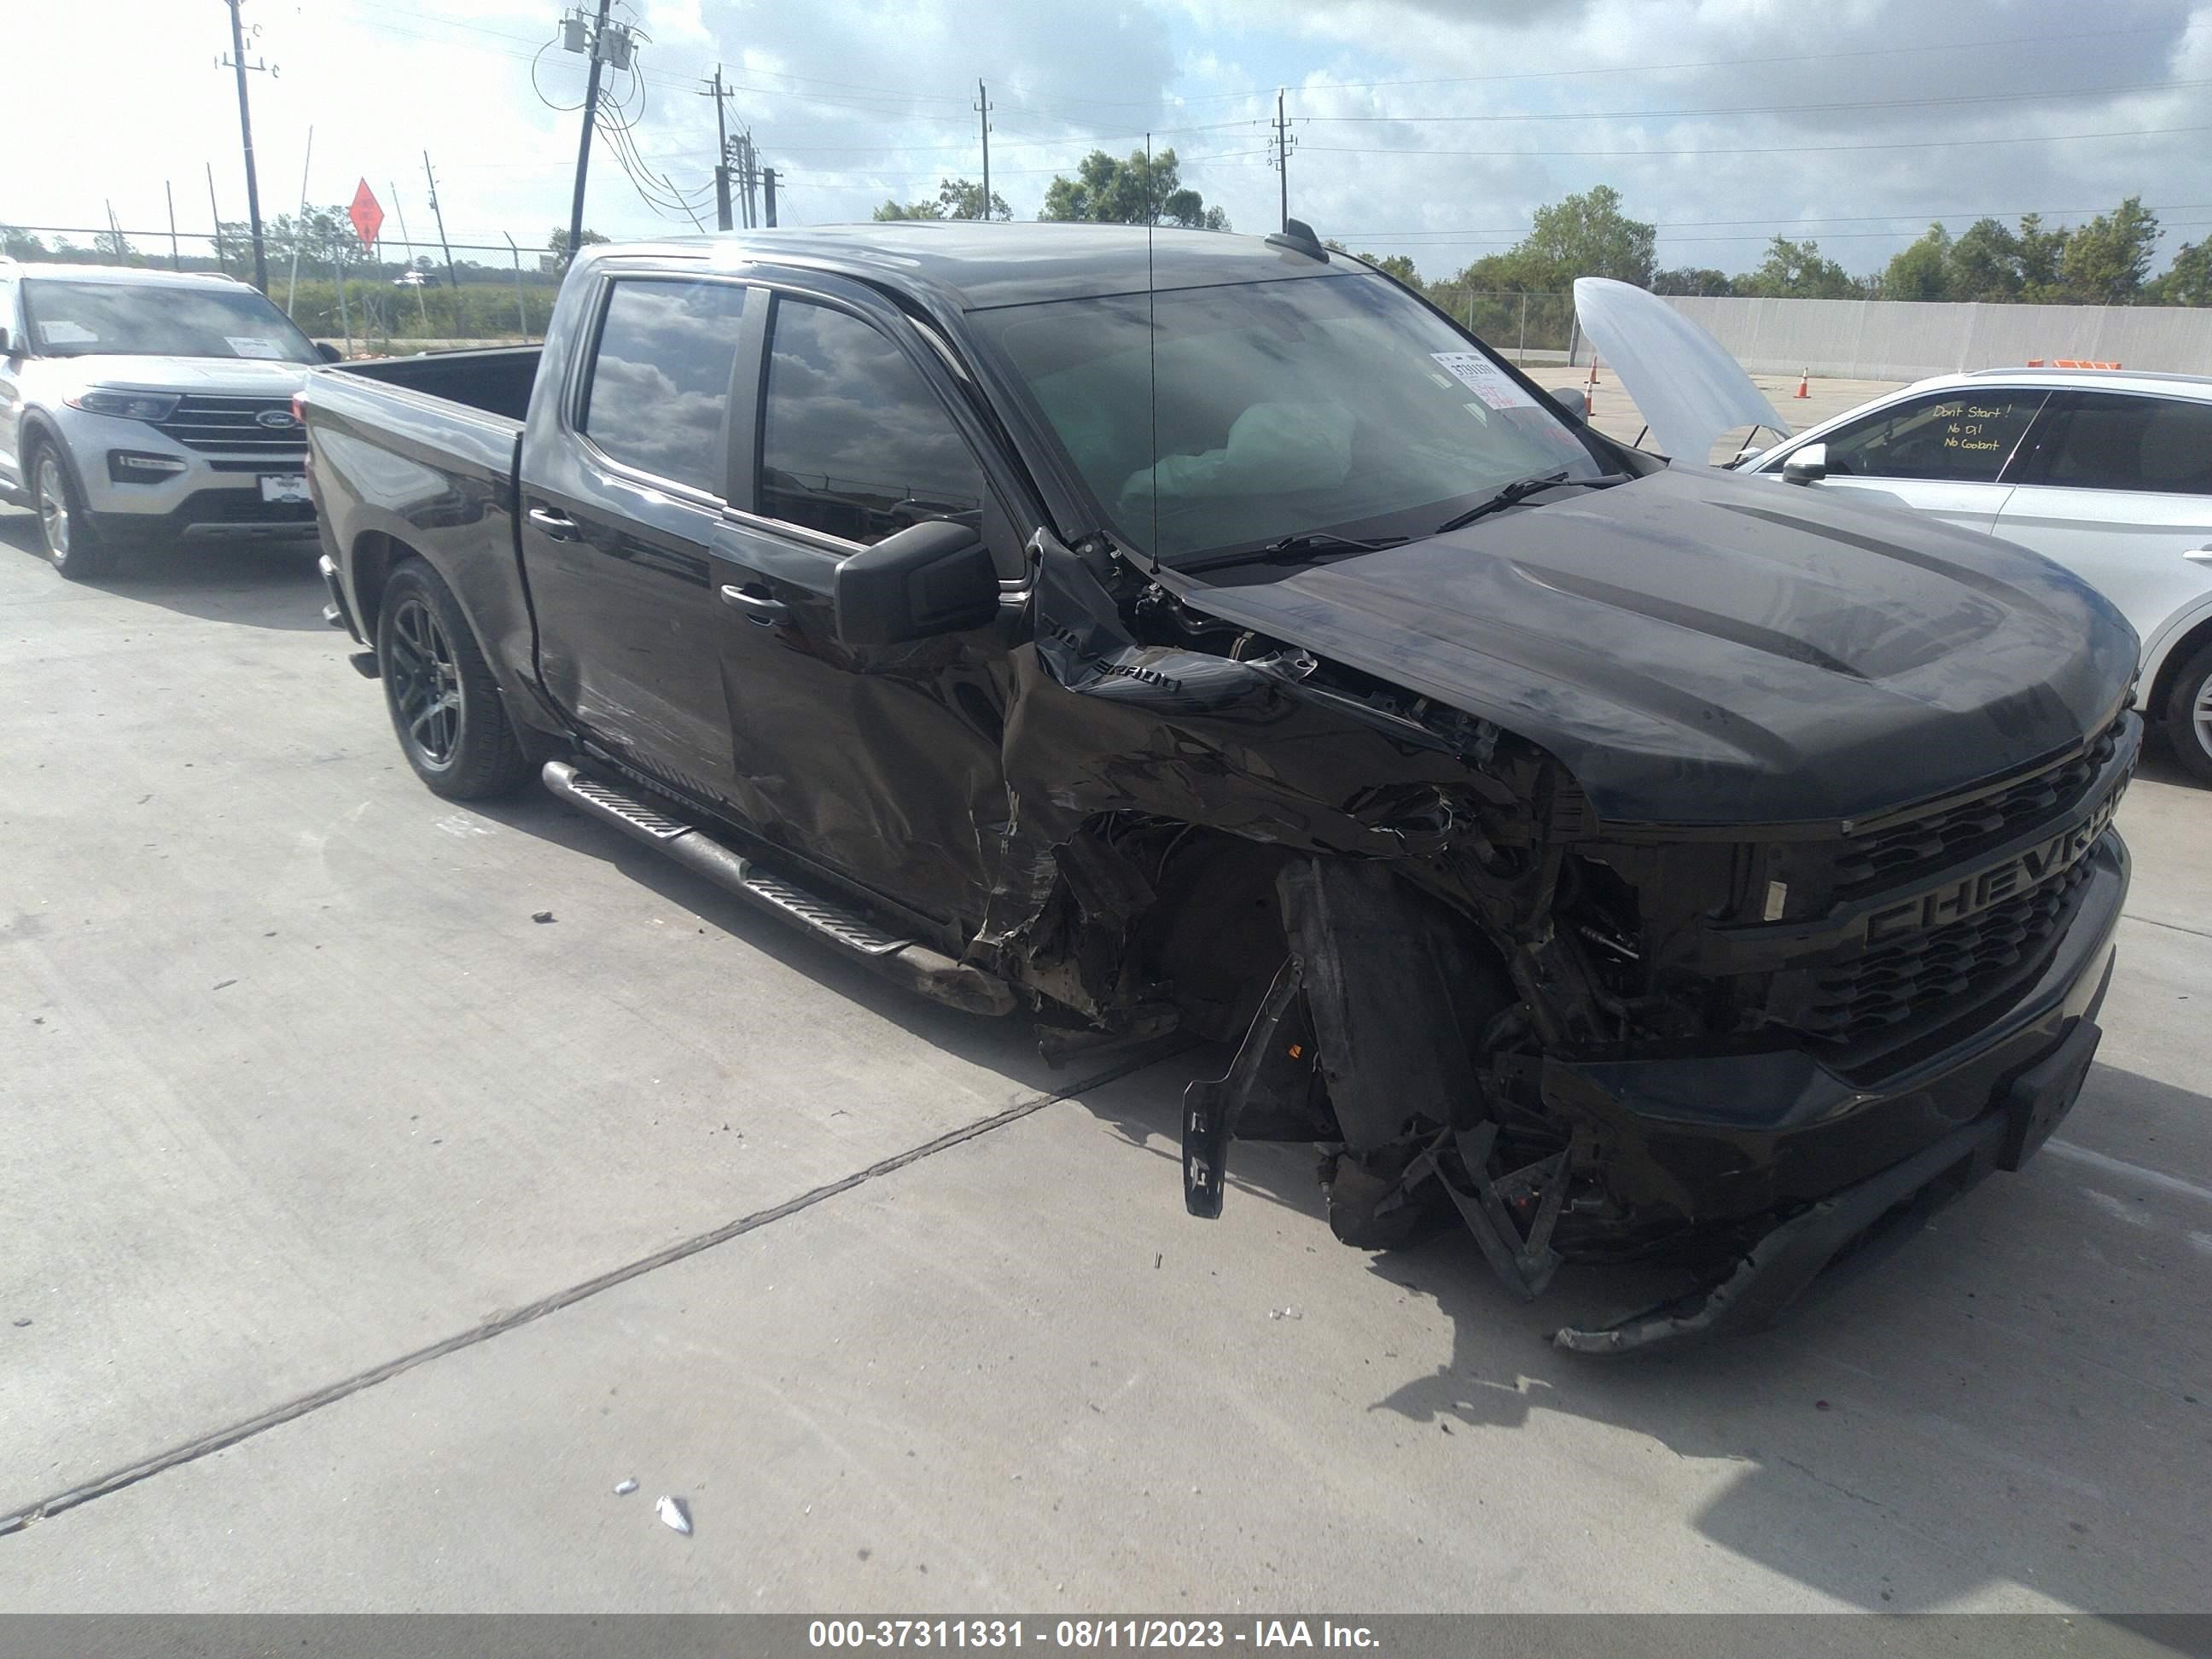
[913, 964]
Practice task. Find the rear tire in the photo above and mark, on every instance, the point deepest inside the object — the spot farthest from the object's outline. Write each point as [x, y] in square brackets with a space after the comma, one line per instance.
[2188, 714]
[72, 546]
[444, 704]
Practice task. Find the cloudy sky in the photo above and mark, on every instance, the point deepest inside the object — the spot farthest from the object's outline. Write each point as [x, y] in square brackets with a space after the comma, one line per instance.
[1428, 127]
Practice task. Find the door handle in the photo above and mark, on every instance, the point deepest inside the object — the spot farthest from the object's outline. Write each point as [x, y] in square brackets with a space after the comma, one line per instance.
[557, 526]
[2199, 554]
[753, 599]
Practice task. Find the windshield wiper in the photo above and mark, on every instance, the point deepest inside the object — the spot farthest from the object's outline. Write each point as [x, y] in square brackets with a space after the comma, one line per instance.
[1519, 490]
[1305, 545]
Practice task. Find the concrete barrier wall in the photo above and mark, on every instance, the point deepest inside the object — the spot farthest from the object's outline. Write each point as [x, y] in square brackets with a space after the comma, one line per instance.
[1904, 340]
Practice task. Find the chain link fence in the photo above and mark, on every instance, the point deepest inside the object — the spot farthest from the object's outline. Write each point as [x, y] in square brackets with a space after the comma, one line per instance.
[1528, 328]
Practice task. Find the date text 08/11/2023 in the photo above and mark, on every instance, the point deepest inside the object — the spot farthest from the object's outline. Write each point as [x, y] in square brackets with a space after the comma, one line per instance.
[1084, 1634]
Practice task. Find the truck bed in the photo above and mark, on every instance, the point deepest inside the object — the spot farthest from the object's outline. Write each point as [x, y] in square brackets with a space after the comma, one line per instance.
[417, 456]
[496, 379]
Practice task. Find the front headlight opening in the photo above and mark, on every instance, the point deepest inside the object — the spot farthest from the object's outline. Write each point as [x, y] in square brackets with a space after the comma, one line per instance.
[126, 406]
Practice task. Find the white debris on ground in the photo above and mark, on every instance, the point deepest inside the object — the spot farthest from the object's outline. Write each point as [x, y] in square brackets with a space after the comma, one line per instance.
[674, 1516]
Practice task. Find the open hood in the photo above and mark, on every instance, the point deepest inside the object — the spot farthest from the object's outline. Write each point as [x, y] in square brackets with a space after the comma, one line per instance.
[1685, 383]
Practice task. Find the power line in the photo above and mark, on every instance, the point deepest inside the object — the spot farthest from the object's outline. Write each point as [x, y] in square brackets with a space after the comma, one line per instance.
[1918, 214]
[1775, 109]
[1762, 149]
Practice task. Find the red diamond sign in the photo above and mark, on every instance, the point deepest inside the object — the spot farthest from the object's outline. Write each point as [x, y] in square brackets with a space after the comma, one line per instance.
[367, 217]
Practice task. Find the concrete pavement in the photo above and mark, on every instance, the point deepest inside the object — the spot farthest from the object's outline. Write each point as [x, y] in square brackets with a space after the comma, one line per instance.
[369, 1232]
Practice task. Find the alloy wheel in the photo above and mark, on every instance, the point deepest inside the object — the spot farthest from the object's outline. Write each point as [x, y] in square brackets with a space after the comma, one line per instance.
[54, 507]
[426, 683]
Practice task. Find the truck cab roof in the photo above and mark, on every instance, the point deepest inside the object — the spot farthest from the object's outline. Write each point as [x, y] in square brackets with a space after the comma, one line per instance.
[974, 265]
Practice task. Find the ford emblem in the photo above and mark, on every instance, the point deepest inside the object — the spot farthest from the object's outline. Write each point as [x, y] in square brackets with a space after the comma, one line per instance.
[277, 419]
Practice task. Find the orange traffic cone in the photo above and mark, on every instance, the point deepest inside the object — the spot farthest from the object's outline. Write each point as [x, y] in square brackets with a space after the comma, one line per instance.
[1803, 389]
[1589, 391]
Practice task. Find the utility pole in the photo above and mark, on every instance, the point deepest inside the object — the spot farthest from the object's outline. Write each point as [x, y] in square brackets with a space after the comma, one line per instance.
[439, 214]
[407, 241]
[721, 154]
[982, 107]
[521, 311]
[1280, 161]
[749, 179]
[175, 263]
[221, 263]
[237, 61]
[299, 232]
[768, 194]
[584, 142]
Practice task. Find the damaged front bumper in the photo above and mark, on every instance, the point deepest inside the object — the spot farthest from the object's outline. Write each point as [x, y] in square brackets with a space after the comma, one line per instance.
[1727, 1138]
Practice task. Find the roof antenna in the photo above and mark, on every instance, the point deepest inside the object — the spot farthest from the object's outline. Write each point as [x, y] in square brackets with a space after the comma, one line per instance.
[1153, 348]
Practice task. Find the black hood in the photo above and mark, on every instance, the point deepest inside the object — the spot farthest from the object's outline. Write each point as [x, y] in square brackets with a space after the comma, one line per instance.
[1702, 648]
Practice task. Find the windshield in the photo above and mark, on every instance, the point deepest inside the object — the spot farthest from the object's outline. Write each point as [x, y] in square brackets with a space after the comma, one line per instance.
[111, 319]
[1282, 408]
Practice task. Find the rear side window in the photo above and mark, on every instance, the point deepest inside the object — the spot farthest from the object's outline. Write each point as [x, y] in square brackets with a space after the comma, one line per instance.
[853, 443]
[1959, 438]
[2107, 441]
[658, 396]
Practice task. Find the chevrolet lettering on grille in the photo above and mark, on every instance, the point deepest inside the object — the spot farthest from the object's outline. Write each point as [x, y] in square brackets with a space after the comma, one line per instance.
[1955, 900]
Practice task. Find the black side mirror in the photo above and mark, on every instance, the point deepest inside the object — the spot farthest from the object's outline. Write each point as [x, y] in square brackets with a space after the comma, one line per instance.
[1570, 401]
[929, 579]
[328, 352]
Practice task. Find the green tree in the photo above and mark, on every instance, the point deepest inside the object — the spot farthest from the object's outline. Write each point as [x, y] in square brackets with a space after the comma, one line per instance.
[1984, 263]
[956, 198]
[556, 240]
[1796, 271]
[1137, 191]
[1589, 235]
[2188, 281]
[1688, 280]
[1922, 271]
[114, 246]
[1395, 265]
[19, 244]
[2107, 259]
[2042, 252]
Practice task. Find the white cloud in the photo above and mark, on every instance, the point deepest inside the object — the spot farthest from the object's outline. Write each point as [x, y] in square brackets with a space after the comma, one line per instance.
[856, 103]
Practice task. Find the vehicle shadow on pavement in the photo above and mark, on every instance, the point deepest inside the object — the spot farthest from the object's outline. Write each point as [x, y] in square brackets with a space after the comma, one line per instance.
[253, 587]
[1007, 1045]
[1986, 1406]
[1969, 1410]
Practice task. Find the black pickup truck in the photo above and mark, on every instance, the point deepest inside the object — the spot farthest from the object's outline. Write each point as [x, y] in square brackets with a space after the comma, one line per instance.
[1143, 632]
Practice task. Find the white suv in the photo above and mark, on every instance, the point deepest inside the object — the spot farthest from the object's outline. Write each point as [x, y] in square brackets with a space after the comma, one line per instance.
[145, 407]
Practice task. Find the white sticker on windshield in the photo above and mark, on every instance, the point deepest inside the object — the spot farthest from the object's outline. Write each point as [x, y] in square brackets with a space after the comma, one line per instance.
[250, 348]
[1485, 378]
[62, 332]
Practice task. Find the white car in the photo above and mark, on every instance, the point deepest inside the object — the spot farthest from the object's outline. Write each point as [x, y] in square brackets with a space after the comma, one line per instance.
[143, 408]
[2109, 473]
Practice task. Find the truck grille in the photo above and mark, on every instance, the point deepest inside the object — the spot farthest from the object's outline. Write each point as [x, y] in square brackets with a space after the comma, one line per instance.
[1916, 976]
[233, 424]
[1893, 855]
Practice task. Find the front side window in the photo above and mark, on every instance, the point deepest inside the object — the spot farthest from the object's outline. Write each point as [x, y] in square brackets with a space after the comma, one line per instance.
[2105, 441]
[1207, 420]
[853, 443]
[1955, 437]
[66, 319]
[659, 395]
